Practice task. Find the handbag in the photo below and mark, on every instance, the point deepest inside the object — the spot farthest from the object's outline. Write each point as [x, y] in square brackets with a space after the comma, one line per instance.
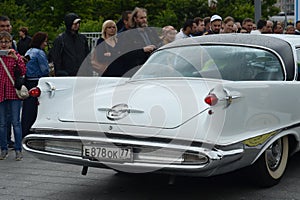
[21, 92]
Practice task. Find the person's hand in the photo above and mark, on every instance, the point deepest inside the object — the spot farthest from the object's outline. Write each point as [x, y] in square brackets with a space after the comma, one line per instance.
[26, 59]
[107, 54]
[12, 54]
[149, 48]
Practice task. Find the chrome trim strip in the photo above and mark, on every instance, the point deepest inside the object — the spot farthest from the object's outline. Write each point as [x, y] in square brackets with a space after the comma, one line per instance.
[229, 97]
[51, 90]
[130, 110]
[184, 122]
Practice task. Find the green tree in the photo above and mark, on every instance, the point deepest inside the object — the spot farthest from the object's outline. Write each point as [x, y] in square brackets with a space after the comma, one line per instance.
[240, 9]
[48, 15]
[16, 13]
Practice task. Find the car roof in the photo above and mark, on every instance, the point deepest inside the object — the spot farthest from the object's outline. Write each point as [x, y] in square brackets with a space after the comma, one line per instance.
[266, 40]
[280, 43]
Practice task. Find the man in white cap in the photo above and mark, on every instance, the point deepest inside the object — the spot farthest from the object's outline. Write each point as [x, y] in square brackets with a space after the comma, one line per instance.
[215, 25]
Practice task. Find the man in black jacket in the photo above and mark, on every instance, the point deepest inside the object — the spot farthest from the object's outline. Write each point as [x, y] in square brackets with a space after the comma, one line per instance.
[24, 41]
[138, 42]
[70, 48]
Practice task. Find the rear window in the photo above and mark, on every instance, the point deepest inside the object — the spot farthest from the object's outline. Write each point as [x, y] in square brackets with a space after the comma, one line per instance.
[235, 63]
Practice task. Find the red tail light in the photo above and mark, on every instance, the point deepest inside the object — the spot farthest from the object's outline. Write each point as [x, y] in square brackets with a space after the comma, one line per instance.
[35, 92]
[211, 99]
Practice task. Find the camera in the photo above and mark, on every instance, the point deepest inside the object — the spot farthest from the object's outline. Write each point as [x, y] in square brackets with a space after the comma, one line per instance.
[3, 52]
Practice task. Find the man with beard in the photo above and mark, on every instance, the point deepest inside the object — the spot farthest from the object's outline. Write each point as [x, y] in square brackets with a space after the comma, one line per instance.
[215, 25]
[188, 29]
[138, 42]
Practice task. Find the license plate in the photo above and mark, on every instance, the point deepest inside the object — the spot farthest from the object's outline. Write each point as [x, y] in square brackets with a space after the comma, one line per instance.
[104, 153]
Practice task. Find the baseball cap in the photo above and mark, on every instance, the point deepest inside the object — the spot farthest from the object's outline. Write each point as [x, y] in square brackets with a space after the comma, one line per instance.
[76, 21]
[215, 17]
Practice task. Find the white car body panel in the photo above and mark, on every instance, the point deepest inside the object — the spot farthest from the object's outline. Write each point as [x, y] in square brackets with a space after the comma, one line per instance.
[246, 119]
[164, 120]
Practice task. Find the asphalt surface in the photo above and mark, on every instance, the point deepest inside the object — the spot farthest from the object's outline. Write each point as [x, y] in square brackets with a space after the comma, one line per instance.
[33, 179]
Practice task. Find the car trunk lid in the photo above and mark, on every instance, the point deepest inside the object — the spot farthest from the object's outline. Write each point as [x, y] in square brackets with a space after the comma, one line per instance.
[164, 103]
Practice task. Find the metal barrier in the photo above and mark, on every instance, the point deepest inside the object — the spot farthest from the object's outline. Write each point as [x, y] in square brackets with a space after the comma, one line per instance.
[92, 38]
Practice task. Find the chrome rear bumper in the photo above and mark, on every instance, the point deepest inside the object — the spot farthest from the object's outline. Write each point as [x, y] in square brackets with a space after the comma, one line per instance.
[172, 157]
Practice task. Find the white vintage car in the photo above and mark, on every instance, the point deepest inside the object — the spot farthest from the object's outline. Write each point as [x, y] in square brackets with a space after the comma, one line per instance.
[201, 106]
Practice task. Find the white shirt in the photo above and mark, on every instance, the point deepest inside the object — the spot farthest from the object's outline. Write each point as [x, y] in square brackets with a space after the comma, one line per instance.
[181, 35]
[255, 32]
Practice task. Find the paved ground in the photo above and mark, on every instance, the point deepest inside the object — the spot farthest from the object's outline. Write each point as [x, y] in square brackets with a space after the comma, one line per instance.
[33, 179]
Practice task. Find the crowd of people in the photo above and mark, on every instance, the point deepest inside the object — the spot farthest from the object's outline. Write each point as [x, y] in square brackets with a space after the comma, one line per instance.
[122, 48]
[114, 40]
[216, 25]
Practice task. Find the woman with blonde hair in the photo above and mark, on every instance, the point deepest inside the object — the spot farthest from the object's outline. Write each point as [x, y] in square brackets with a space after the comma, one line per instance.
[107, 51]
[228, 25]
[109, 31]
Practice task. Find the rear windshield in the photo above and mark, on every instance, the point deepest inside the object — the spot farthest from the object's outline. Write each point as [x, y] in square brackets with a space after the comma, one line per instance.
[235, 63]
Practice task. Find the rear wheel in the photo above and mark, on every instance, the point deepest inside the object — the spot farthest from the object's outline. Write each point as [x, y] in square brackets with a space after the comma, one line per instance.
[270, 167]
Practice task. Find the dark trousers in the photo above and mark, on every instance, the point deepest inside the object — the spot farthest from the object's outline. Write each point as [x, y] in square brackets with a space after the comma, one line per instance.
[29, 110]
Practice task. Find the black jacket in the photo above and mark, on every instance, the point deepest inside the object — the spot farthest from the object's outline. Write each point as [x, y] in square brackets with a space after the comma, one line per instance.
[23, 45]
[69, 50]
[132, 43]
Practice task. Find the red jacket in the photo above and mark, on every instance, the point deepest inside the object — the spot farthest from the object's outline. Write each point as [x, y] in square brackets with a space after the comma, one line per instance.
[7, 90]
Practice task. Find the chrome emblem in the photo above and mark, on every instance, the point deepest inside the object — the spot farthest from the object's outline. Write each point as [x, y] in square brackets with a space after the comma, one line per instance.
[117, 112]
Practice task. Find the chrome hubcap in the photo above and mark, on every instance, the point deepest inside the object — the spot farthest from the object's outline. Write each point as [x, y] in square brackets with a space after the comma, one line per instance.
[274, 154]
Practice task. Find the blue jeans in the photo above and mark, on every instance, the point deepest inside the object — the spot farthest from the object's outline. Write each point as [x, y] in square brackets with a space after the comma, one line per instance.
[8, 121]
[15, 108]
